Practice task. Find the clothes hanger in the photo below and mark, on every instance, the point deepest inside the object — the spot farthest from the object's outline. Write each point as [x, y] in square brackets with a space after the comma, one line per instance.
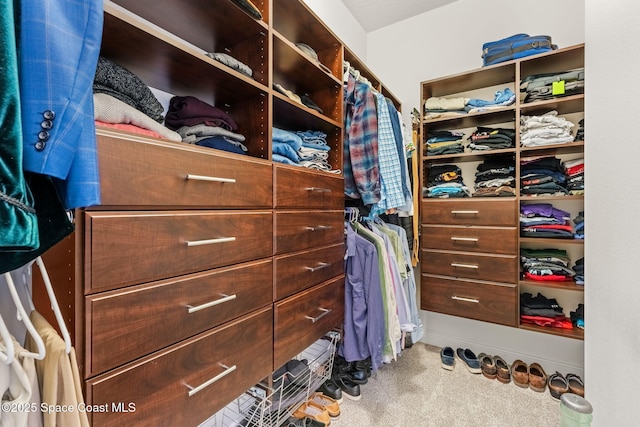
[54, 305]
[24, 317]
[8, 343]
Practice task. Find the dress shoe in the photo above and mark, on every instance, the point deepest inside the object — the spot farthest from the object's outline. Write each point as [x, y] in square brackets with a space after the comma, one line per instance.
[488, 366]
[520, 373]
[314, 411]
[558, 385]
[576, 385]
[349, 389]
[503, 374]
[537, 378]
[331, 389]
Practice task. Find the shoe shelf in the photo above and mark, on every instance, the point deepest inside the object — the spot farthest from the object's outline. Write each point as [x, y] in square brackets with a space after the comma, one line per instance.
[267, 405]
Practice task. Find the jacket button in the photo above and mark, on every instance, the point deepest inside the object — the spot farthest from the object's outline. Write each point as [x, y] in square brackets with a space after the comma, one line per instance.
[46, 124]
[40, 145]
[49, 115]
[43, 135]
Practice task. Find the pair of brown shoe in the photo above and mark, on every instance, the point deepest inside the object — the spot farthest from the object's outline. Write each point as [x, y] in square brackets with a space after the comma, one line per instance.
[559, 385]
[494, 367]
[532, 376]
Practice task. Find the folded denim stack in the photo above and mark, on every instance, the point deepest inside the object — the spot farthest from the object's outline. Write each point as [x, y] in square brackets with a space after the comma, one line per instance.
[314, 153]
[546, 265]
[486, 139]
[543, 311]
[539, 87]
[495, 177]
[542, 175]
[544, 220]
[547, 129]
[445, 181]
[574, 169]
[444, 142]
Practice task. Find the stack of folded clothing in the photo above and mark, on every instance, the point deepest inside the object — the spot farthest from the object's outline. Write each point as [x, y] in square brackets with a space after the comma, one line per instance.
[123, 101]
[539, 87]
[580, 132]
[577, 317]
[578, 267]
[542, 311]
[232, 62]
[444, 142]
[307, 148]
[543, 220]
[485, 139]
[439, 107]
[202, 124]
[579, 226]
[542, 175]
[445, 181]
[285, 146]
[574, 169]
[547, 129]
[546, 265]
[495, 177]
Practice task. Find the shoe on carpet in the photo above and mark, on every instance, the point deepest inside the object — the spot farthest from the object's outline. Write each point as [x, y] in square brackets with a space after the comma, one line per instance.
[331, 389]
[447, 358]
[503, 374]
[470, 360]
[537, 378]
[576, 385]
[488, 366]
[558, 385]
[304, 422]
[314, 411]
[520, 373]
[350, 390]
[331, 405]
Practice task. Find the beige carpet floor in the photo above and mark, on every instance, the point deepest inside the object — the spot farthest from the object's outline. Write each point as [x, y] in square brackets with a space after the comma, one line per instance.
[416, 391]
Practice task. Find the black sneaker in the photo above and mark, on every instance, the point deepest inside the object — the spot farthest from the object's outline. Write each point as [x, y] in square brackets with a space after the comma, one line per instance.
[331, 389]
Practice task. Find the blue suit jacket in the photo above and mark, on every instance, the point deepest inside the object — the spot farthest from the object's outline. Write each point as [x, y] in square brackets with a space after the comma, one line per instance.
[59, 44]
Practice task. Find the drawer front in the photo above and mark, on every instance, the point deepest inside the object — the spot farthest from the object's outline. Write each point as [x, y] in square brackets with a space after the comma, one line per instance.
[296, 231]
[303, 318]
[297, 272]
[238, 353]
[307, 189]
[497, 268]
[488, 302]
[126, 248]
[177, 174]
[496, 240]
[471, 212]
[123, 325]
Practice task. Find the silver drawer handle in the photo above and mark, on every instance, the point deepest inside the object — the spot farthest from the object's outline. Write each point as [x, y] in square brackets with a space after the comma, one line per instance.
[227, 371]
[325, 311]
[321, 265]
[456, 297]
[210, 241]
[225, 298]
[465, 212]
[455, 264]
[319, 227]
[210, 178]
[318, 189]
[464, 239]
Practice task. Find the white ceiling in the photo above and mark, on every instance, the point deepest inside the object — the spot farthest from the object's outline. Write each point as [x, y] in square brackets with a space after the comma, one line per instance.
[375, 14]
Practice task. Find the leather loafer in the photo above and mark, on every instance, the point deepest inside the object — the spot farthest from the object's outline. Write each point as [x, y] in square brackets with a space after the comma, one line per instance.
[576, 385]
[520, 373]
[558, 385]
[537, 378]
[503, 374]
[488, 366]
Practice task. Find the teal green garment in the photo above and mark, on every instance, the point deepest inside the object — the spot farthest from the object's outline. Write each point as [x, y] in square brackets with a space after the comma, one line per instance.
[18, 221]
[397, 249]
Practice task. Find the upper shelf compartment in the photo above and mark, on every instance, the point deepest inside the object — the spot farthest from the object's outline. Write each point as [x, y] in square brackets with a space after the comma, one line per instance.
[214, 26]
[496, 75]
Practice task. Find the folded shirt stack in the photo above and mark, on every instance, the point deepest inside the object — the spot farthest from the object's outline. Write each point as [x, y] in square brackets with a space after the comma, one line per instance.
[495, 177]
[439, 107]
[574, 169]
[546, 265]
[547, 129]
[542, 311]
[543, 220]
[577, 317]
[307, 148]
[579, 225]
[537, 87]
[580, 132]
[444, 142]
[486, 139]
[578, 267]
[542, 175]
[445, 181]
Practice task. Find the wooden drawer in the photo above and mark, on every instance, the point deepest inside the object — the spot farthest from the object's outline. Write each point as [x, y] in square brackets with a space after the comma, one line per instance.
[127, 248]
[305, 317]
[471, 212]
[159, 385]
[177, 174]
[299, 230]
[125, 325]
[497, 268]
[498, 240]
[489, 302]
[299, 271]
[307, 189]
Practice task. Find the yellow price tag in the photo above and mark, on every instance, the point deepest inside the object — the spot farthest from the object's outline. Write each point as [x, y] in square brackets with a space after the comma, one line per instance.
[558, 88]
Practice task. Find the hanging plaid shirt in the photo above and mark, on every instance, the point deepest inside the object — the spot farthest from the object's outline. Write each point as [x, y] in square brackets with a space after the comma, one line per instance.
[360, 156]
